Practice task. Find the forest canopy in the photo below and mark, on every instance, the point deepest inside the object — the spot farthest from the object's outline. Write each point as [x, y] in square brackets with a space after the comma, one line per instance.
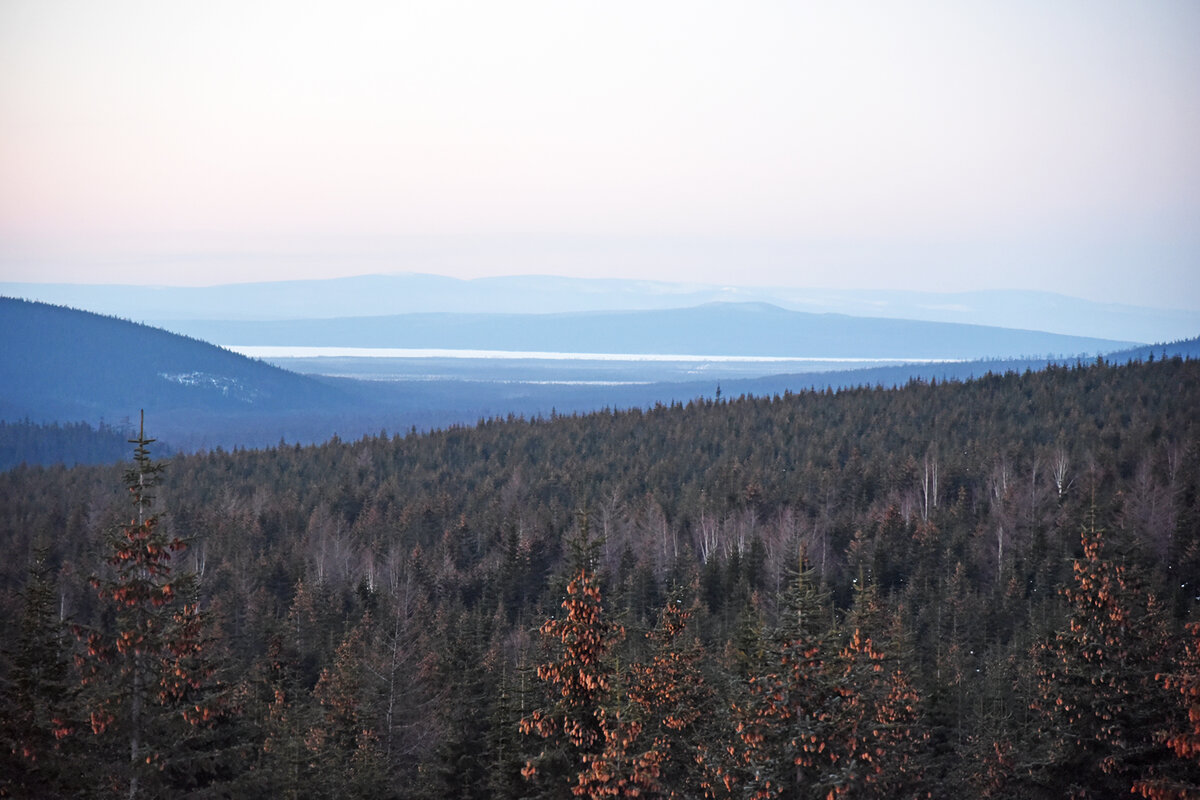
[950, 589]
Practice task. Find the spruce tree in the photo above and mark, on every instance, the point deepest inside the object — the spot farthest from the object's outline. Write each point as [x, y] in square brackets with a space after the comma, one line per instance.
[672, 699]
[574, 717]
[145, 677]
[38, 711]
[783, 738]
[1098, 699]
[875, 732]
[1179, 777]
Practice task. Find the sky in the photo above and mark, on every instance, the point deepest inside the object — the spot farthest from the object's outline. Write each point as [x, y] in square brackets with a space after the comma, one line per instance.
[929, 145]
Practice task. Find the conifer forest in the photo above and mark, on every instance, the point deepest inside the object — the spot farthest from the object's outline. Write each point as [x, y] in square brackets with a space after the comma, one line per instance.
[985, 588]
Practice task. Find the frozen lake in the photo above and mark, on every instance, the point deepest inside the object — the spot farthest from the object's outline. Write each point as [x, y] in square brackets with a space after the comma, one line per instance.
[536, 367]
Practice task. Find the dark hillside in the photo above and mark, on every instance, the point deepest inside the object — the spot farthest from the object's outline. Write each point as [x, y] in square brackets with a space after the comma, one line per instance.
[63, 364]
[27, 442]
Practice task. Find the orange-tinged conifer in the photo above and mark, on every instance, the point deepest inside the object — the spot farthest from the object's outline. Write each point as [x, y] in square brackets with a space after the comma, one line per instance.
[149, 669]
[573, 720]
[1097, 696]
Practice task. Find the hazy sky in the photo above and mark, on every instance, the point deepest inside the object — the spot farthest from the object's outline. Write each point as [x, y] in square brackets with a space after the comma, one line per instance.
[953, 145]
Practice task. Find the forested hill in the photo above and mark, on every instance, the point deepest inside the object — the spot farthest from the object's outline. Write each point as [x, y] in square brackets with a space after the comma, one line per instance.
[1185, 348]
[999, 575]
[63, 364]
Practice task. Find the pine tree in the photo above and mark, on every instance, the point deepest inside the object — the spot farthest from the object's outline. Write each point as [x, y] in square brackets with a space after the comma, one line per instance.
[145, 677]
[280, 716]
[343, 740]
[1097, 697]
[652, 722]
[574, 722]
[875, 720]
[783, 745]
[671, 696]
[1180, 778]
[38, 704]
[460, 767]
[507, 746]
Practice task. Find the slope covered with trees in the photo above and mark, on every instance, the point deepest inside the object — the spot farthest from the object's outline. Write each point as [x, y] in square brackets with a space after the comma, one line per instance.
[984, 588]
[64, 365]
[27, 442]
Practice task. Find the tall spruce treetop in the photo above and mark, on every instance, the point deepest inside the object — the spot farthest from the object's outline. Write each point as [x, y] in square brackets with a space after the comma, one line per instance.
[143, 476]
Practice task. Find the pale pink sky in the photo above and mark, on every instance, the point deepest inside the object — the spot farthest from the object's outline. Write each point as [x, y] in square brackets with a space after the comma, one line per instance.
[954, 144]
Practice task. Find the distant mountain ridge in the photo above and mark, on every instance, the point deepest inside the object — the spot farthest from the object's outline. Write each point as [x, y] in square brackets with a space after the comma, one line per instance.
[719, 329]
[380, 295]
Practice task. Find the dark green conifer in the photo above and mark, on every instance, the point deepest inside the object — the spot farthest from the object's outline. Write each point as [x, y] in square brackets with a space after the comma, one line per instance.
[39, 723]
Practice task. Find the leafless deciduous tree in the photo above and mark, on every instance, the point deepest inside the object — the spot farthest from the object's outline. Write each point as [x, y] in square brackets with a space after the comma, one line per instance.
[1060, 463]
[929, 486]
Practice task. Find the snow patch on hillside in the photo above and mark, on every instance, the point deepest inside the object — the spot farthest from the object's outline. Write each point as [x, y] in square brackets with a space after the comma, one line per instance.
[228, 387]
